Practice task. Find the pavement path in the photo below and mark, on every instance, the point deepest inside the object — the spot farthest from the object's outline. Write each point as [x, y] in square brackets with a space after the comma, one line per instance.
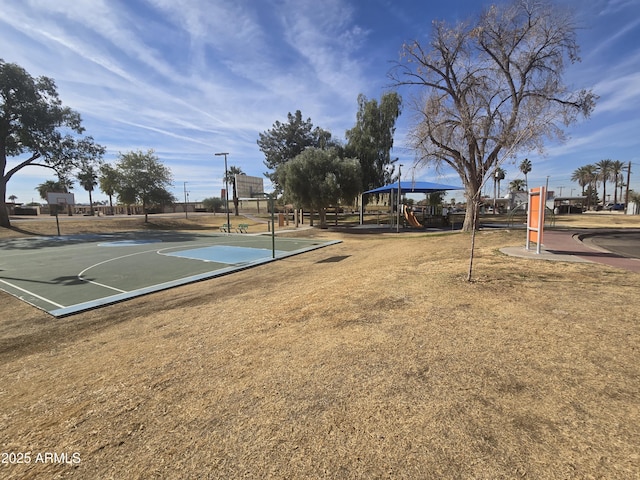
[616, 248]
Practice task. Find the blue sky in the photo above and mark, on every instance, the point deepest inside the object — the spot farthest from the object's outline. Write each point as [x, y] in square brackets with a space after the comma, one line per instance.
[191, 78]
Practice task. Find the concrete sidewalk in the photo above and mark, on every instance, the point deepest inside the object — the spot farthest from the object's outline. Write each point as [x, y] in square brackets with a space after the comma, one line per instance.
[567, 246]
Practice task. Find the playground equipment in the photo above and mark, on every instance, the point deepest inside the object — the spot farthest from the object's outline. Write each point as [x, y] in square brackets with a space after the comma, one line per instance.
[411, 218]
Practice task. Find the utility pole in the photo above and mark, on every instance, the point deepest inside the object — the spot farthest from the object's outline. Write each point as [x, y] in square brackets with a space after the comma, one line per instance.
[560, 188]
[626, 197]
[546, 188]
[186, 204]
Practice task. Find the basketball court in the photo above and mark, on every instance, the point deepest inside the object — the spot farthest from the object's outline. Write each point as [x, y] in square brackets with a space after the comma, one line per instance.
[64, 275]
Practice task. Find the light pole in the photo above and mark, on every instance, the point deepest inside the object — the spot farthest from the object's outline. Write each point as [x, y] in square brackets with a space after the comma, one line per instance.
[226, 189]
[186, 202]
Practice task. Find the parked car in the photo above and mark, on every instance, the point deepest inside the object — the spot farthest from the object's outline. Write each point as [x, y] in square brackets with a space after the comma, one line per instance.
[614, 206]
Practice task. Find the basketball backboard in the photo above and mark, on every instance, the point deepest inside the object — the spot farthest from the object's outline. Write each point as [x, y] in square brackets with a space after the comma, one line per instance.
[248, 186]
[55, 198]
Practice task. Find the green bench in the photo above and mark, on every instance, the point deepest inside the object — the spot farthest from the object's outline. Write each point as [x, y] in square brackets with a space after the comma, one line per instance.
[243, 228]
[226, 228]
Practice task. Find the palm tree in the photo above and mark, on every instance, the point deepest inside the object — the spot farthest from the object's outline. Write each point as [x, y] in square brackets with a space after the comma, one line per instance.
[617, 167]
[604, 169]
[12, 198]
[62, 185]
[525, 167]
[51, 186]
[88, 180]
[517, 185]
[585, 176]
[231, 178]
[582, 176]
[109, 179]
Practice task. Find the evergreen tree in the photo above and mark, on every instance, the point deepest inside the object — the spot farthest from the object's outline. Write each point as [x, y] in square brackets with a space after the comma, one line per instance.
[371, 139]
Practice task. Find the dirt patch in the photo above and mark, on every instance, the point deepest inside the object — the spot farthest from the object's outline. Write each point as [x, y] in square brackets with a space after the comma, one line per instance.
[385, 364]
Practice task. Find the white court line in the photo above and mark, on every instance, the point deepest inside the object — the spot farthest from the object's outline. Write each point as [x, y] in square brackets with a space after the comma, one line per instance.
[107, 261]
[32, 294]
[103, 285]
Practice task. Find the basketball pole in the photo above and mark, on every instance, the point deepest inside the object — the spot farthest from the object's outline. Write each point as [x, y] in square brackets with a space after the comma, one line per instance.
[57, 221]
[273, 226]
[272, 202]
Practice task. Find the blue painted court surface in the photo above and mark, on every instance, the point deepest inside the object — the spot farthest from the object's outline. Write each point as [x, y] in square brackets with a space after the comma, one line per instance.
[226, 254]
[66, 275]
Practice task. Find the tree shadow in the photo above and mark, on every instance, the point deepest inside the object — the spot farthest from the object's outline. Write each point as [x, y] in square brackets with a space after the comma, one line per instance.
[68, 280]
[36, 241]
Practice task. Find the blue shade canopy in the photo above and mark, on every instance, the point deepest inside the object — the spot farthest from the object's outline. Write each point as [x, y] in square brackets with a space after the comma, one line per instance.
[415, 187]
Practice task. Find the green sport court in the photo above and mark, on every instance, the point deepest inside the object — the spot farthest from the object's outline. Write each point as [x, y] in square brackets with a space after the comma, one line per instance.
[69, 274]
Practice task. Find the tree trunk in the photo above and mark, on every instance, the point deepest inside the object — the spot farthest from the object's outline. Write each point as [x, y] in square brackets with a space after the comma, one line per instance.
[322, 214]
[474, 223]
[494, 195]
[4, 212]
[90, 203]
[472, 194]
[468, 224]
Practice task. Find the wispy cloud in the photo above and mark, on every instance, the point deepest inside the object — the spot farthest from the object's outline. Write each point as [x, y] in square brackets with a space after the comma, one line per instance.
[620, 33]
[191, 78]
[328, 42]
[614, 6]
[619, 93]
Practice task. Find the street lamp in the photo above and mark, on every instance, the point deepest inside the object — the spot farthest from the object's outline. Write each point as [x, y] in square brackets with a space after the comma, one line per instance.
[226, 189]
[186, 201]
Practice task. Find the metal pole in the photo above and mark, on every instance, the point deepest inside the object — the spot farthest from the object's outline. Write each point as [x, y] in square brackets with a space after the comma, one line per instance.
[399, 197]
[626, 197]
[226, 189]
[273, 227]
[186, 206]
[391, 204]
[542, 203]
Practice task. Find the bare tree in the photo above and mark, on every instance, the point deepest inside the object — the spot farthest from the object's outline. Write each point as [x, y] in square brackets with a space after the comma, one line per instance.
[492, 88]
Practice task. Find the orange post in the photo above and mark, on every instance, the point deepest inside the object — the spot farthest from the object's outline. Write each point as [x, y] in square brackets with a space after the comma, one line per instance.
[535, 217]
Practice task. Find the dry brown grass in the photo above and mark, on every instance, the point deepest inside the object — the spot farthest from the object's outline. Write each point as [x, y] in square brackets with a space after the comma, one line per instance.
[386, 364]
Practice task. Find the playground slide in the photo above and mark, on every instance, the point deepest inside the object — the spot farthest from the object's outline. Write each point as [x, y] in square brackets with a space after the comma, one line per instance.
[411, 218]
